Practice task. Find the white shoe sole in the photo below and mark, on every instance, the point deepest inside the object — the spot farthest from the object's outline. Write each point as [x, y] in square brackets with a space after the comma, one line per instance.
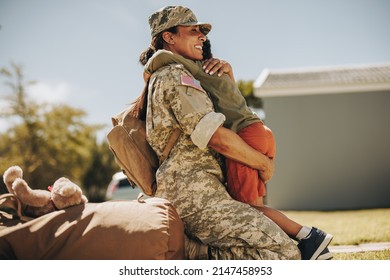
[328, 238]
[326, 256]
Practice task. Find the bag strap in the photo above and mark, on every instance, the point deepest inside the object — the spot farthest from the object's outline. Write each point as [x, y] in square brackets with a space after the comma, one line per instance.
[171, 142]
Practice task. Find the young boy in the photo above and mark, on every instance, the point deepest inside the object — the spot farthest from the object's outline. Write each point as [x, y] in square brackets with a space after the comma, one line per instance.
[244, 183]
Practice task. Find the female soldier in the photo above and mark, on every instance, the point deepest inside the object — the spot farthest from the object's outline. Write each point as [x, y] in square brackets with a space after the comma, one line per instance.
[191, 177]
[243, 183]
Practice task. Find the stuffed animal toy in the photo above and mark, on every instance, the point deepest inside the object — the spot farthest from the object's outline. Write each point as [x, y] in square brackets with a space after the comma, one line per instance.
[34, 203]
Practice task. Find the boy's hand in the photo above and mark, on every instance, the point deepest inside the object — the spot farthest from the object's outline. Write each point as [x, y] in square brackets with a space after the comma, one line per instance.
[215, 65]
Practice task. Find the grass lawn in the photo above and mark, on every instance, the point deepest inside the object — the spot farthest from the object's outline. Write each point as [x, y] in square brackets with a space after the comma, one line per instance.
[351, 228]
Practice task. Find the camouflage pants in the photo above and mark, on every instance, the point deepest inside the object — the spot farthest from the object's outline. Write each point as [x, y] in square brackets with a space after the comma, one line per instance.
[237, 231]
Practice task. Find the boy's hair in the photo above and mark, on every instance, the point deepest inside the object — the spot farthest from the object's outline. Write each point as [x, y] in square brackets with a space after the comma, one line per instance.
[207, 50]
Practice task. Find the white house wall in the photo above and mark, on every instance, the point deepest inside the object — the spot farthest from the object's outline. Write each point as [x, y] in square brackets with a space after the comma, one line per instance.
[333, 151]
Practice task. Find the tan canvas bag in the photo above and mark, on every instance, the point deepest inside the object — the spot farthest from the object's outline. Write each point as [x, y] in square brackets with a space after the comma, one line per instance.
[138, 161]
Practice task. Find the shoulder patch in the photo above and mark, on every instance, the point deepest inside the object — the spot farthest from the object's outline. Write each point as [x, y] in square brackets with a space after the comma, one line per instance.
[191, 82]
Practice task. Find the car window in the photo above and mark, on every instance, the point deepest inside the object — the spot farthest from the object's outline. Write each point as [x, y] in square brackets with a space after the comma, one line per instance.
[123, 183]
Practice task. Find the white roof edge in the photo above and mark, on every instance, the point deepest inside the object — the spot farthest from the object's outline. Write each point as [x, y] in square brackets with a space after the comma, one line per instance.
[261, 79]
[321, 88]
[259, 92]
[326, 68]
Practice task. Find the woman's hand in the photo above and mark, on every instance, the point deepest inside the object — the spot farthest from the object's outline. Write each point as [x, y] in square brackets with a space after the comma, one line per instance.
[229, 144]
[219, 66]
[267, 172]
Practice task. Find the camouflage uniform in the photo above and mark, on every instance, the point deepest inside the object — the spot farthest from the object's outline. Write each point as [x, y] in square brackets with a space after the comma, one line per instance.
[192, 178]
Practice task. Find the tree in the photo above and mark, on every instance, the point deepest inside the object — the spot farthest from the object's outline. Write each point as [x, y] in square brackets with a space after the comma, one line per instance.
[246, 88]
[47, 141]
[95, 179]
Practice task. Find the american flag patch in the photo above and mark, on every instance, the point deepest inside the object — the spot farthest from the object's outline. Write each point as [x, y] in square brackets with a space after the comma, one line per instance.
[191, 82]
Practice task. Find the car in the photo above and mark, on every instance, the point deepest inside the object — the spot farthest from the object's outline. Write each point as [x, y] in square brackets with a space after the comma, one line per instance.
[121, 189]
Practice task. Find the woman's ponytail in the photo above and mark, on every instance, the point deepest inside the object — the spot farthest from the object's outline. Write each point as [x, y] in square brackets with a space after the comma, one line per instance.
[147, 54]
[138, 110]
[156, 44]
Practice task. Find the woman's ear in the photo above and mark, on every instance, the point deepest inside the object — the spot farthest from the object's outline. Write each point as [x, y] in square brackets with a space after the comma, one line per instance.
[168, 38]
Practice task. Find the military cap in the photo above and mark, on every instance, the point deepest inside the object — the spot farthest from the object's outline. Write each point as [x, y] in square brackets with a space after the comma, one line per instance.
[171, 16]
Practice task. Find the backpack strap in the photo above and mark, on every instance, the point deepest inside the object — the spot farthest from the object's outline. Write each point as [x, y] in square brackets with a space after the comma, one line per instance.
[171, 142]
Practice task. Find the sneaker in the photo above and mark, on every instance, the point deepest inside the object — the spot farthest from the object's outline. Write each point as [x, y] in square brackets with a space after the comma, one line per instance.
[313, 247]
[325, 255]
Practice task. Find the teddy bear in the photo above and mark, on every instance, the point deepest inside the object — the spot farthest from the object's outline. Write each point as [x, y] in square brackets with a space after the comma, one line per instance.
[34, 203]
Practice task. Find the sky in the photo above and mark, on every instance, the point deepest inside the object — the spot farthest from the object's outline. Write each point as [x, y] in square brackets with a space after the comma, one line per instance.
[85, 52]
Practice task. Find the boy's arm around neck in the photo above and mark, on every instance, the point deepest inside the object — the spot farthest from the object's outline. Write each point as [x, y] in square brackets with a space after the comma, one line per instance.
[163, 58]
